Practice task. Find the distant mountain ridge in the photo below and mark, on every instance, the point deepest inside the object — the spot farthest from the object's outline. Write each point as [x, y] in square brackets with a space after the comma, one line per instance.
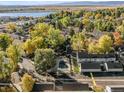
[100, 3]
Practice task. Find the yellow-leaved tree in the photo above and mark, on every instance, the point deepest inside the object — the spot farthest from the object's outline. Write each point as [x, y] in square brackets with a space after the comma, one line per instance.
[78, 41]
[86, 21]
[37, 42]
[27, 83]
[32, 44]
[55, 37]
[14, 53]
[65, 21]
[28, 47]
[105, 44]
[5, 67]
[98, 16]
[11, 27]
[40, 30]
[5, 41]
[93, 47]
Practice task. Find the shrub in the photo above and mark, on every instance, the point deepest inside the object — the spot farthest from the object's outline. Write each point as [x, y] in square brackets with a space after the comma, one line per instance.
[98, 89]
[27, 83]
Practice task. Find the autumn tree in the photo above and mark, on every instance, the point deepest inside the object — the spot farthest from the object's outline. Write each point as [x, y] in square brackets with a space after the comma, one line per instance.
[122, 14]
[39, 30]
[65, 21]
[104, 25]
[6, 66]
[78, 41]
[120, 28]
[93, 48]
[88, 25]
[40, 19]
[55, 37]
[2, 55]
[20, 31]
[37, 42]
[105, 44]
[14, 53]
[98, 16]
[87, 15]
[32, 44]
[5, 41]
[119, 34]
[45, 36]
[86, 21]
[11, 27]
[44, 60]
[117, 38]
[27, 83]
[28, 47]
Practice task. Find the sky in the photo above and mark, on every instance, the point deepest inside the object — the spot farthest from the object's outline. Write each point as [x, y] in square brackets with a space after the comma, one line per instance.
[61, 0]
[42, 2]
